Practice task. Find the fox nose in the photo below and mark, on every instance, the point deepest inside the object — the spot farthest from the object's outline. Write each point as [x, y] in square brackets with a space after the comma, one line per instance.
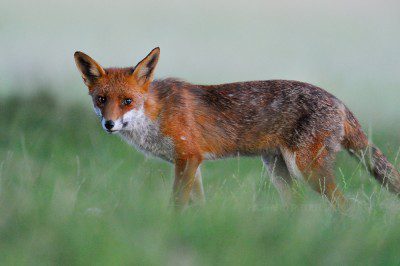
[109, 124]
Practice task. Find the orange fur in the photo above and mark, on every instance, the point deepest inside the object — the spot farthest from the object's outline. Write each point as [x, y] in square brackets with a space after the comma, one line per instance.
[283, 121]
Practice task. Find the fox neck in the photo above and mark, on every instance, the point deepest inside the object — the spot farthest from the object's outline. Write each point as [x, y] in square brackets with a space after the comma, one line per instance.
[144, 131]
[152, 106]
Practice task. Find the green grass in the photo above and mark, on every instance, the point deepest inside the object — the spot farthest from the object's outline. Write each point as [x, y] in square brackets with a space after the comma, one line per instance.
[71, 194]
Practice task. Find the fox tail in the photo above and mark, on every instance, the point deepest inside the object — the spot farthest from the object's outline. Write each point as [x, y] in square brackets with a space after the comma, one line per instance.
[356, 142]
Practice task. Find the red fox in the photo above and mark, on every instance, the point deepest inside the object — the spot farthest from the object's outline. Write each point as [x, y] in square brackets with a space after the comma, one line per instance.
[295, 127]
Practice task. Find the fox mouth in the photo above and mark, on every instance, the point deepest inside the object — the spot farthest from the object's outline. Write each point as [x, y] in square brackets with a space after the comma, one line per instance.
[117, 126]
[110, 131]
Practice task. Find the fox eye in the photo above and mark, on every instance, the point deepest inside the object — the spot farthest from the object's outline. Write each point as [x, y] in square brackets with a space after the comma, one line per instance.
[101, 99]
[127, 101]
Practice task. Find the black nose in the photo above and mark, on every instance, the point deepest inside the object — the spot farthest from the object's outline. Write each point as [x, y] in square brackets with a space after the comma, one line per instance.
[109, 124]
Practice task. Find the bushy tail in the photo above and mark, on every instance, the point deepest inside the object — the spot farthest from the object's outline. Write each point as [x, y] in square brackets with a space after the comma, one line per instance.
[357, 143]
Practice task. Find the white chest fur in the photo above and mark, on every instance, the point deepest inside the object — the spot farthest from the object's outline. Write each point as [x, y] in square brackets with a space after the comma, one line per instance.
[145, 135]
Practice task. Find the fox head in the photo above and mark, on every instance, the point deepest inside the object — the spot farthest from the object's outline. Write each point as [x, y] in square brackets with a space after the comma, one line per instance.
[118, 93]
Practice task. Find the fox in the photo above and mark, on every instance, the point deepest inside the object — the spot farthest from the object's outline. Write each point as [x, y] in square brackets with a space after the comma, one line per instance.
[295, 127]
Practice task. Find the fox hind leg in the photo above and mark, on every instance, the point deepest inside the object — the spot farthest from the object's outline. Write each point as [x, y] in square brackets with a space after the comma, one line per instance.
[322, 180]
[315, 166]
[279, 174]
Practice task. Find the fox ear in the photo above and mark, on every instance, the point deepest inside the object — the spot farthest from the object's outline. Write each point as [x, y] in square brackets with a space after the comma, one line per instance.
[90, 69]
[144, 70]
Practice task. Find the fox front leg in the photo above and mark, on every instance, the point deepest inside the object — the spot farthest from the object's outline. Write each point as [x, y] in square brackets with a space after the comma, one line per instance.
[197, 194]
[185, 171]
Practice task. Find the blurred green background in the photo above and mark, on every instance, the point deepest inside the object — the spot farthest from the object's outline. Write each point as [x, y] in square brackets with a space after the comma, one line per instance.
[71, 194]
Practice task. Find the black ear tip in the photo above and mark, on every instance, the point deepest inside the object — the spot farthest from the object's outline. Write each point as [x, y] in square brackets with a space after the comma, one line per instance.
[77, 53]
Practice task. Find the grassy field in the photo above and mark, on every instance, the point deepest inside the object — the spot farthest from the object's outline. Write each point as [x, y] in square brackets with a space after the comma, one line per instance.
[71, 194]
